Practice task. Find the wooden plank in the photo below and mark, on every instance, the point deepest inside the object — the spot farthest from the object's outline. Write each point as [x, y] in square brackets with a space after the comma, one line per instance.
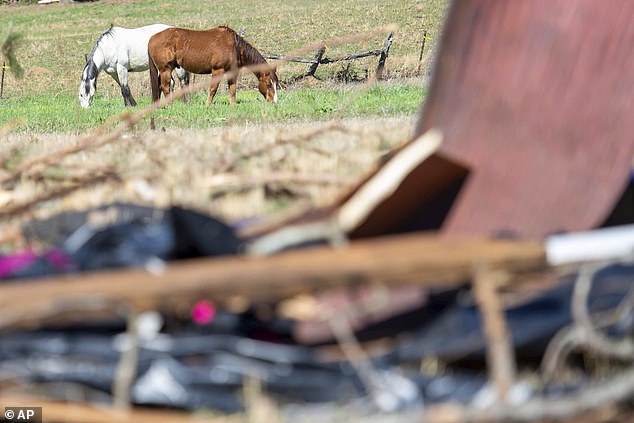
[54, 411]
[410, 190]
[416, 258]
[318, 60]
[289, 58]
[325, 60]
[352, 56]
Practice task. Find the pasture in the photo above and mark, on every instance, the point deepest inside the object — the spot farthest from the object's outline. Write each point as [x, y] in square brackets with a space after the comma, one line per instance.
[342, 122]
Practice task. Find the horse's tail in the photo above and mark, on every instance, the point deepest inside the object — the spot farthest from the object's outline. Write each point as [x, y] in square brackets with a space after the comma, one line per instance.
[154, 78]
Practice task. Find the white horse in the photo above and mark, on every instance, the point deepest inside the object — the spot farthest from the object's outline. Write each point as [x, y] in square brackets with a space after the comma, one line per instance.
[117, 52]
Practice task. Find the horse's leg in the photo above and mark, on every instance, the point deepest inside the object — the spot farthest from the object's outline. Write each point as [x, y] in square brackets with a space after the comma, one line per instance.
[183, 77]
[216, 77]
[165, 76]
[122, 76]
[231, 82]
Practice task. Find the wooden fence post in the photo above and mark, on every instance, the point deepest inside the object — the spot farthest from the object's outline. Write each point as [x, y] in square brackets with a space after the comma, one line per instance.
[313, 66]
[422, 48]
[4, 65]
[386, 50]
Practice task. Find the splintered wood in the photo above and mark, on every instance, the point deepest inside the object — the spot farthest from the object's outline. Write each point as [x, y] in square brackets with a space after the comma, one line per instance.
[422, 259]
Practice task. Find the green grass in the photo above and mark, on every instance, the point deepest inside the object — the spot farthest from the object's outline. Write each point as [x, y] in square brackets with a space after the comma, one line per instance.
[56, 38]
[61, 112]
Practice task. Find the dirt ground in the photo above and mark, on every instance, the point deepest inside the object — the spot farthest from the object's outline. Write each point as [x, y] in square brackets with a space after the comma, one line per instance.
[232, 172]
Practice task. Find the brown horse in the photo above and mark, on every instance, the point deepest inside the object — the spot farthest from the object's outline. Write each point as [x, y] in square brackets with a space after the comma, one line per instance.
[219, 51]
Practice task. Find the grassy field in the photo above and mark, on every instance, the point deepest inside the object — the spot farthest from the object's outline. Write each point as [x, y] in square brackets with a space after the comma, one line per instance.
[330, 130]
[56, 38]
[61, 112]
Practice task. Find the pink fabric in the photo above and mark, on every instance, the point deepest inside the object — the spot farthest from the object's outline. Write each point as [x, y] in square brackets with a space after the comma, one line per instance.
[203, 312]
[13, 263]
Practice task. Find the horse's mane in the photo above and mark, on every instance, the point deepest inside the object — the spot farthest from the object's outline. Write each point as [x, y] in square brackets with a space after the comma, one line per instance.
[108, 33]
[246, 53]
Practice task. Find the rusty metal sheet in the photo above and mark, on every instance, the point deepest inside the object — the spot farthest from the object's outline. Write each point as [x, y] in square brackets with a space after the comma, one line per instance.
[537, 98]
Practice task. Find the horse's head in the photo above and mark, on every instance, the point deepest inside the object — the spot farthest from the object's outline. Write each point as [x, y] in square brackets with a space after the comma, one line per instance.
[88, 84]
[268, 85]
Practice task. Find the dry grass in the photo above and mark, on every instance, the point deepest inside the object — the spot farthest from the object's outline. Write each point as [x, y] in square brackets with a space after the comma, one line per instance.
[183, 166]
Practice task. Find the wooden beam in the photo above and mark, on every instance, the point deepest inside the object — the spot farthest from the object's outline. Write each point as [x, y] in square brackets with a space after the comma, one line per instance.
[57, 411]
[422, 259]
[289, 58]
[352, 56]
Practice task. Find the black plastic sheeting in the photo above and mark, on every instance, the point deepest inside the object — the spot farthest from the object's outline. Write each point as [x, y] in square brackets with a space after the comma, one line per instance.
[192, 366]
[531, 324]
[119, 235]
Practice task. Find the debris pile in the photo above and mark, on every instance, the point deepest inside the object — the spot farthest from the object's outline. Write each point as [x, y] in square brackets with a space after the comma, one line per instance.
[481, 272]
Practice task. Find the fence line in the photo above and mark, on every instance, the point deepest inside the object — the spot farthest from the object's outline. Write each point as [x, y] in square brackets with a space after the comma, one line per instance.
[319, 58]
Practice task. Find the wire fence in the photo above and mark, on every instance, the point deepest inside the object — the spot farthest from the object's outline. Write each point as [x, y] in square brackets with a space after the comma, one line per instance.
[320, 59]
